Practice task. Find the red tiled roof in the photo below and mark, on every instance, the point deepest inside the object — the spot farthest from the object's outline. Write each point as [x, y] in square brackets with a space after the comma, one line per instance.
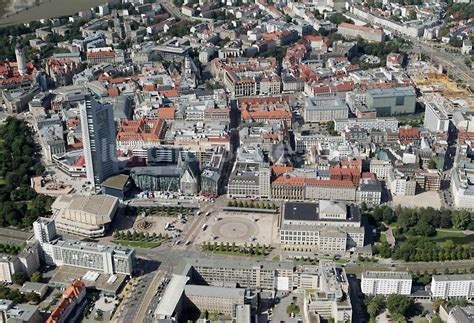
[113, 91]
[166, 113]
[361, 28]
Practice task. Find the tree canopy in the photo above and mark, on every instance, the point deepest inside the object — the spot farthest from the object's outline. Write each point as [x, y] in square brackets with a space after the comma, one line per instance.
[20, 206]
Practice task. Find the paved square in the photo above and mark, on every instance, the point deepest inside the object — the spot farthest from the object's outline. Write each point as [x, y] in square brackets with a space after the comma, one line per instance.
[240, 228]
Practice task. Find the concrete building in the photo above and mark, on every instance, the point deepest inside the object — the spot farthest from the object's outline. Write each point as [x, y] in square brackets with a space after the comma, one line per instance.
[19, 313]
[324, 109]
[328, 227]
[381, 168]
[354, 31]
[329, 299]
[369, 191]
[98, 134]
[52, 140]
[391, 101]
[214, 299]
[452, 286]
[382, 124]
[20, 59]
[249, 180]
[460, 314]
[87, 216]
[27, 261]
[462, 187]
[436, 119]
[400, 184]
[109, 259]
[386, 283]
[245, 273]
[340, 190]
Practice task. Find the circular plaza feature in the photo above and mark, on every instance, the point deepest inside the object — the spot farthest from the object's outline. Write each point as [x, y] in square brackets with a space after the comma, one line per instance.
[235, 229]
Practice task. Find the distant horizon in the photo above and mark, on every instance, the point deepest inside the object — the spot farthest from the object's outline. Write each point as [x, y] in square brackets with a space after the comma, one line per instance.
[47, 9]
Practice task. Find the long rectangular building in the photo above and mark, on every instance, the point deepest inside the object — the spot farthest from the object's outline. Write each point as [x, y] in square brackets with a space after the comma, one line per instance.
[386, 283]
[354, 31]
[328, 227]
[245, 273]
[368, 124]
[448, 286]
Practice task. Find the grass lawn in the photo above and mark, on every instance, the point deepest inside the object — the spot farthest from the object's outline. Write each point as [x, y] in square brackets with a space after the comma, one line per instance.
[2, 181]
[137, 244]
[383, 237]
[456, 236]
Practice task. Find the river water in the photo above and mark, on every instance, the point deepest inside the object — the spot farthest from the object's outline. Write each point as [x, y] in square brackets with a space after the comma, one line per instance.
[45, 9]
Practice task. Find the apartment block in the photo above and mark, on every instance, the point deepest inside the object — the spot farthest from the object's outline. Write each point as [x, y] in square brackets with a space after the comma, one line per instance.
[354, 31]
[452, 286]
[386, 283]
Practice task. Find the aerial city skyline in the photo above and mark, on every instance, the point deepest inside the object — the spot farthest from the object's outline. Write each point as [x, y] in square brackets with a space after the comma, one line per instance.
[241, 161]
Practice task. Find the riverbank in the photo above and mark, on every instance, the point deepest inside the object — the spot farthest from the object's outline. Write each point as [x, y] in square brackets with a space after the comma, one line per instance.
[29, 10]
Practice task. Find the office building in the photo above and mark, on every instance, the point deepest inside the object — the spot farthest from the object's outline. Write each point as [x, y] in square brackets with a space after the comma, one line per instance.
[391, 101]
[244, 273]
[328, 227]
[44, 230]
[214, 299]
[381, 168]
[324, 109]
[436, 119]
[462, 187]
[369, 191]
[386, 283]
[329, 298]
[428, 179]
[452, 286]
[249, 179]
[400, 184]
[98, 135]
[369, 124]
[109, 259]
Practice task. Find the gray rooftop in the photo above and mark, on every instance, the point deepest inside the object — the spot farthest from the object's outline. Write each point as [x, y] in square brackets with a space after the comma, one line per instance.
[211, 291]
[387, 275]
[462, 277]
[390, 92]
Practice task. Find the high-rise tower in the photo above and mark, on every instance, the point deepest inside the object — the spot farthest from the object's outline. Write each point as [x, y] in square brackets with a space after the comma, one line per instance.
[20, 59]
[98, 137]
